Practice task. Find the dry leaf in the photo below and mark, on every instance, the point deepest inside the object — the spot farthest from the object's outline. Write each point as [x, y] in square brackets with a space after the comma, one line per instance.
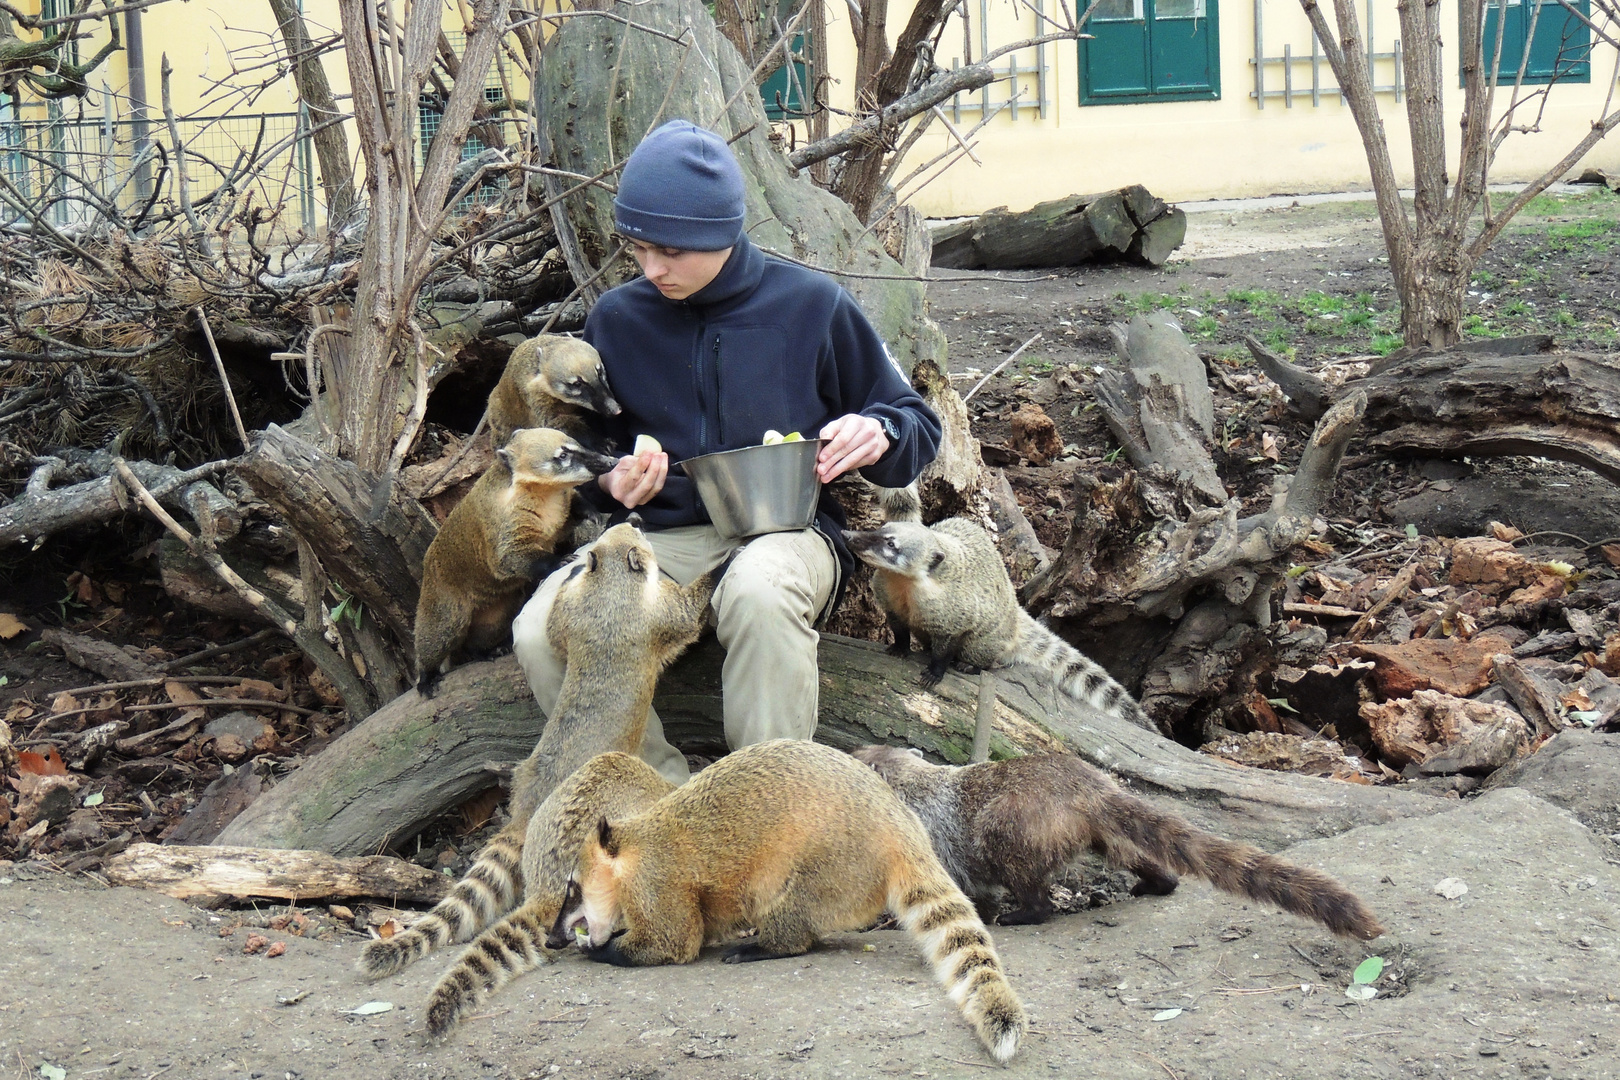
[47, 764]
[64, 703]
[1577, 699]
[180, 693]
[1611, 554]
[10, 625]
[388, 929]
[1505, 533]
[1268, 446]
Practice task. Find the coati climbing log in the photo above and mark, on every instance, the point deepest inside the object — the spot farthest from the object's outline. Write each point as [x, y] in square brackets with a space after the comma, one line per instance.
[412, 759]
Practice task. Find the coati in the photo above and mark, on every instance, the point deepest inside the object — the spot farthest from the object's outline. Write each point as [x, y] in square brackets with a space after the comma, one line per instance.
[496, 543]
[619, 622]
[947, 584]
[794, 839]
[1014, 824]
[533, 855]
[552, 381]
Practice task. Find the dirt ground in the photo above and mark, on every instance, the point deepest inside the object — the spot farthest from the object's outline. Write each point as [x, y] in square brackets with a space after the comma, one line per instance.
[1518, 977]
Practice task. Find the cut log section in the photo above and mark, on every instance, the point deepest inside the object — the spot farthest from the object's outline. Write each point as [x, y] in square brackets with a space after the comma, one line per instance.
[414, 759]
[1126, 224]
[238, 873]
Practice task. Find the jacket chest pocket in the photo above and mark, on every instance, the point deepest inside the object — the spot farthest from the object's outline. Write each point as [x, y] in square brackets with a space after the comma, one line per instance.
[754, 382]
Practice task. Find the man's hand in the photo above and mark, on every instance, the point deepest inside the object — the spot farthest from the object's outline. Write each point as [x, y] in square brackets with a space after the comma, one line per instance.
[636, 478]
[852, 441]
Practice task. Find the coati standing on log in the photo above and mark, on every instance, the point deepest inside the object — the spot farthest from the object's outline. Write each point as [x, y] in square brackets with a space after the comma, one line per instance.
[1014, 824]
[793, 838]
[947, 584]
[620, 623]
[532, 856]
[552, 381]
[496, 543]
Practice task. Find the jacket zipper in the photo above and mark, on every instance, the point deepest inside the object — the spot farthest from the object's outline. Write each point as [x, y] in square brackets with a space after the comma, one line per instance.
[719, 414]
[703, 404]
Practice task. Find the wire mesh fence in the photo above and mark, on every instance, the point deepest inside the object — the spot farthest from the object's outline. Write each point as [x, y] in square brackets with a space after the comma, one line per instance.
[76, 171]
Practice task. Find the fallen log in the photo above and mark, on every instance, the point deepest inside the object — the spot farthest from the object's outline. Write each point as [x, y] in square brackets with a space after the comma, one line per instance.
[43, 511]
[1129, 223]
[1557, 405]
[413, 760]
[238, 873]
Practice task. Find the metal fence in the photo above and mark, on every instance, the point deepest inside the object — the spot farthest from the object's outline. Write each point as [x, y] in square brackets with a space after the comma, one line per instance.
[74, 171]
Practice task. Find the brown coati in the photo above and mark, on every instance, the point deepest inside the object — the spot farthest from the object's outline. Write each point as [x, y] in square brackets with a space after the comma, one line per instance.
[499, 540]
[947, 584]
[552, 381]
[619, 622]
[790, 837]
[532, 856]
[1014, 824]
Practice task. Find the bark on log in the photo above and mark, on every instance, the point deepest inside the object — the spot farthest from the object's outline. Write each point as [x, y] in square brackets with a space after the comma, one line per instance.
[1559, 405]
[1128, 223]
[412, 760]
[1308, 396]
[112, 662]
[328, 502]
[237, 873]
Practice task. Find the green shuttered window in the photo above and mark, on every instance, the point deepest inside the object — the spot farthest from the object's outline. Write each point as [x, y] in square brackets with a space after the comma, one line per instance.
[1151, 50]
[1560, 47]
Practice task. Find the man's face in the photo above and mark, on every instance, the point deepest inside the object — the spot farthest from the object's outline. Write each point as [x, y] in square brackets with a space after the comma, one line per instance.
[678, 273]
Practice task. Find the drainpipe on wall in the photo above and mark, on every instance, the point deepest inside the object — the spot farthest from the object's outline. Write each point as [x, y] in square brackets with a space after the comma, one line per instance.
[135, 57]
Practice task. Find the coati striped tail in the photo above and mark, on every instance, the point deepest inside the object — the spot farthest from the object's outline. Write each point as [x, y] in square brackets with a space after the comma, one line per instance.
[900, 504]
[491, 888]
[1234, 868]
[964, 960]
[1075, 674]
[500, 954]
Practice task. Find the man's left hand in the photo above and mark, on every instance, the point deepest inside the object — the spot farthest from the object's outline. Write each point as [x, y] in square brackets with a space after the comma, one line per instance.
[852, 441]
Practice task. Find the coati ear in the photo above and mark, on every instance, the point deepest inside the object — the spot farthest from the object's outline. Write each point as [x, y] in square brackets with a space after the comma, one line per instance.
[916, 753]
[606, 837]
[933, 564]
[506, 457]
[635, 522]
[633, 558]
[590, 562]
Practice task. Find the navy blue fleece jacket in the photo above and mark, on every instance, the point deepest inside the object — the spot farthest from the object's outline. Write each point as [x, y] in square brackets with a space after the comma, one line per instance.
[765, 345]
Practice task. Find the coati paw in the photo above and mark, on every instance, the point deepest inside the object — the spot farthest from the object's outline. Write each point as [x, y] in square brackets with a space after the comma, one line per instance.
[930, 678]
[1025, 916]
[1155, 885]
[428, 684]
[746, 952]
[610, 953]
[897, 649]
[966, 669]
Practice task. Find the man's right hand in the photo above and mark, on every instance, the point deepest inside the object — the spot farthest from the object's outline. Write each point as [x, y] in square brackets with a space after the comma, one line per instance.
[636, 478]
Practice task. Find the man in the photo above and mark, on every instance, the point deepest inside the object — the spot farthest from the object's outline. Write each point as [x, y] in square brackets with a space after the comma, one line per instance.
[716, 344]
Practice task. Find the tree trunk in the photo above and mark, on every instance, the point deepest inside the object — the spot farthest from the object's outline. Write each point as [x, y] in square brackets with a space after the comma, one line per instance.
[1128, 223]
[1431, 287]
[414, 759]
[331, 144]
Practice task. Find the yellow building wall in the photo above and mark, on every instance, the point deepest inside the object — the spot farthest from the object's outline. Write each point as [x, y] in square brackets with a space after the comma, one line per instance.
[1203, 149]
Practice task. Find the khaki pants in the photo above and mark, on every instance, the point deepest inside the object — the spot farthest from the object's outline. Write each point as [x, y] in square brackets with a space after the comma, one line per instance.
[764, 611]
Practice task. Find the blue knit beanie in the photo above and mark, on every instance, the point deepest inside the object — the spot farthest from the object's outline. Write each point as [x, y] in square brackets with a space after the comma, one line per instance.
[681, 188]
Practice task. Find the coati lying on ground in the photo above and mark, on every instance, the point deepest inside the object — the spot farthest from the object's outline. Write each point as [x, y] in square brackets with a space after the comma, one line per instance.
[1014, 824]
[799, 841]
[946, 583]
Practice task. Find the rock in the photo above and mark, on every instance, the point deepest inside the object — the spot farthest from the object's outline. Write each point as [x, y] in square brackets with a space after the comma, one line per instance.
[230, 748]
[220, 803]
[1480, 560]
[252, 730]
[1409, 730]
[1479, 754]
[1577, 770]
[1035, 436]
[1450, 665]
[1287, 753]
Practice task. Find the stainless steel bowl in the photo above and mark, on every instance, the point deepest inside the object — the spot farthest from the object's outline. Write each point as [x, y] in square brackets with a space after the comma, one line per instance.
[758, 489]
